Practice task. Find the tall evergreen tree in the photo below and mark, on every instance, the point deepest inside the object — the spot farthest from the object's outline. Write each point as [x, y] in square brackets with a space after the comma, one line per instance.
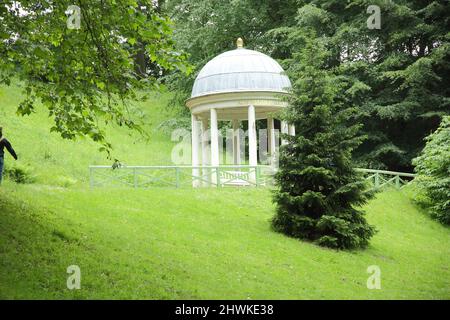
[318, 188]
[404, 65]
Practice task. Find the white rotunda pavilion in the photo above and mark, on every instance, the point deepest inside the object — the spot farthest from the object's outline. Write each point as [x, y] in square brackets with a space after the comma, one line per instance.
[237, 85]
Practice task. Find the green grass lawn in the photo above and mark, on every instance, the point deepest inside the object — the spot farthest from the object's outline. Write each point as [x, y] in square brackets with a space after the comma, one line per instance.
[206, 244]
[184, 243]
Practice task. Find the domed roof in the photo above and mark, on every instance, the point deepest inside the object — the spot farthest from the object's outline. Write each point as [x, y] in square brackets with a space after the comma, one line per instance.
[240, 70]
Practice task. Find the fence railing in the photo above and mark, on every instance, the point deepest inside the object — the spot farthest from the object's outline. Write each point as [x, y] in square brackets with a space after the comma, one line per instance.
[210, 176]
[180, 176]
[383, 178]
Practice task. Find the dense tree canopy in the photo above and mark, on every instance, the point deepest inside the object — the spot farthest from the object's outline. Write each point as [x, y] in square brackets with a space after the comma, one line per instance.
[93, 73]
[403, 67]
[88, 74]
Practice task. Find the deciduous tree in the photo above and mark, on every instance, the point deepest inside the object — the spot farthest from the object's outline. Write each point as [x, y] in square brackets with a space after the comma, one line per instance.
[84, 76]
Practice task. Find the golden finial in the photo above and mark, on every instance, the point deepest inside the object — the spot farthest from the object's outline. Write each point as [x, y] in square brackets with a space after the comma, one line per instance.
[240, 43]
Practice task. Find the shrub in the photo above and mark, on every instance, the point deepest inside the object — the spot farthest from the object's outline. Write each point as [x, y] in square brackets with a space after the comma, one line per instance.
[433, 169]
[65, 182]
[19, 174]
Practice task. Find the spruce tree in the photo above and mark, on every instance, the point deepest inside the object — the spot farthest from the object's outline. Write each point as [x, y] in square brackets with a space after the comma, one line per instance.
[405, 65]
[318, 190]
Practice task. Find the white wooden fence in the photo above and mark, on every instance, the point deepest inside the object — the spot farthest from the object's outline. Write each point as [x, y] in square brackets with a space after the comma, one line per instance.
[209, 176]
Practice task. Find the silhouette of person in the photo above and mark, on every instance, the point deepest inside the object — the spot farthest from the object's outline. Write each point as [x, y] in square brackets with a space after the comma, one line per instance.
[4, 143]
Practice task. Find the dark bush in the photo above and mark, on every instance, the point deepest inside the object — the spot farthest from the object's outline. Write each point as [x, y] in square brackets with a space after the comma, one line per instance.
[19, 174]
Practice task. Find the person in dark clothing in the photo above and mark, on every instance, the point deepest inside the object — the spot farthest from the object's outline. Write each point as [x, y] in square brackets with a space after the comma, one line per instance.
[4, 144]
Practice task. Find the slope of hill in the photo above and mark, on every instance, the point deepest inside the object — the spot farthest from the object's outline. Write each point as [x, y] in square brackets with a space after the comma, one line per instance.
[185, 243]
[55, 161]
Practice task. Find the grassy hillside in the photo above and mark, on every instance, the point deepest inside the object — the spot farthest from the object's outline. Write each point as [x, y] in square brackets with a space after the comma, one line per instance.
[169, 243]
[204, 244]
[56, 161]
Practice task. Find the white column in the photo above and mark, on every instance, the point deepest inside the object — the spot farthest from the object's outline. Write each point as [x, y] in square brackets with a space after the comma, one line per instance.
[205, 151]
[271, 137]
[236, 143]
[252, 146]
[195, 150]
[291, 130]
[284, 130]
[214, 145]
